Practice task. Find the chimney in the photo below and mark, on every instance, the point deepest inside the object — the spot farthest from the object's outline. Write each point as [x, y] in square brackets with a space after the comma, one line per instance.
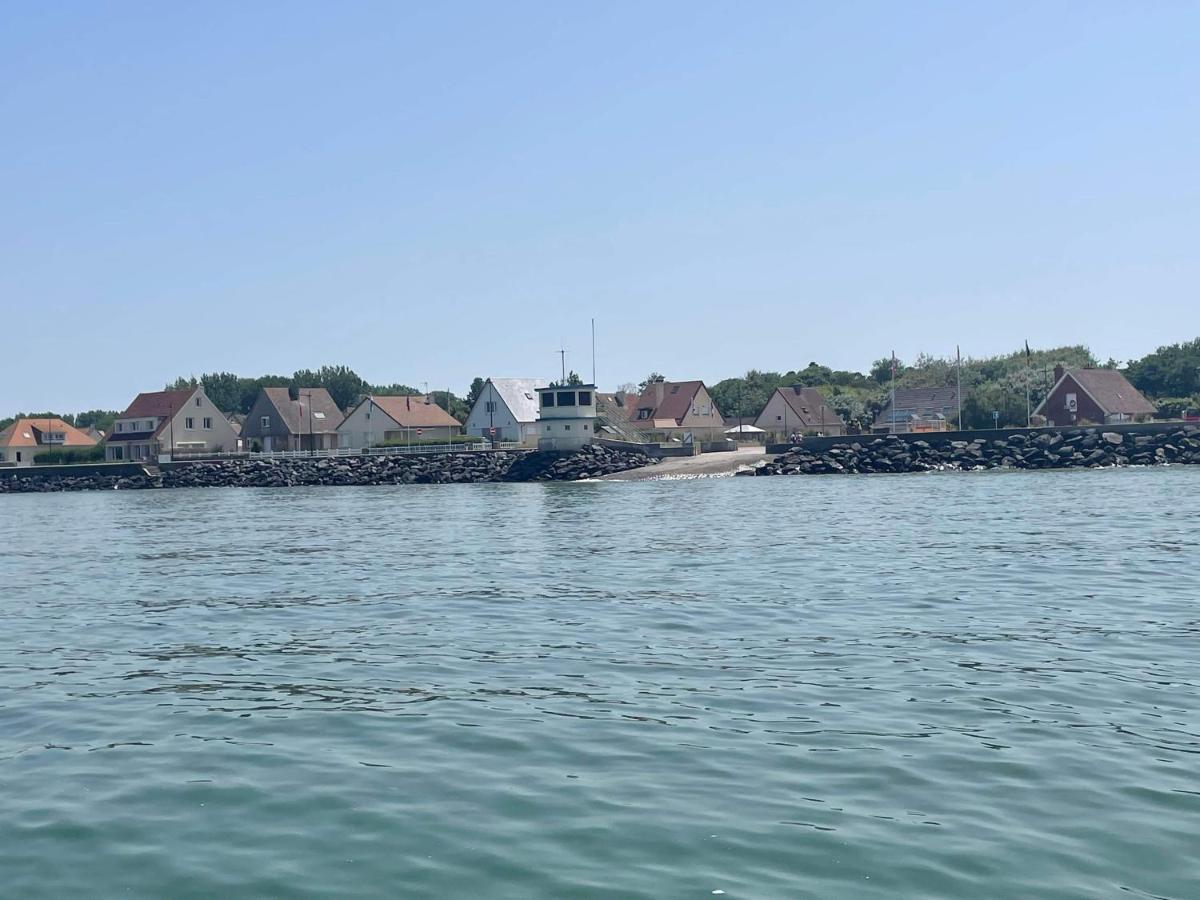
[293, 393]
[659, 390]
[1059, 371]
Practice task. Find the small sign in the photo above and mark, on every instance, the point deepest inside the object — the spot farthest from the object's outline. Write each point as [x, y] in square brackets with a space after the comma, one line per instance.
[996, 417]
[491, 430]
[420, 431]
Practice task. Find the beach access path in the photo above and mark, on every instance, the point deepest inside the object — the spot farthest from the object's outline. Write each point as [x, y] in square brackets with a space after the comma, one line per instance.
[706, 464]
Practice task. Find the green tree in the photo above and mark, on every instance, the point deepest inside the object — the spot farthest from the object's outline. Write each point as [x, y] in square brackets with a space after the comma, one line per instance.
[649, 379]
[1171, 371]
[477, 386]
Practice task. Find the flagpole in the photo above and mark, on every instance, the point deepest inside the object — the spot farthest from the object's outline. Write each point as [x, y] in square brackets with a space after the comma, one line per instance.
[958, 356]
[893, 392]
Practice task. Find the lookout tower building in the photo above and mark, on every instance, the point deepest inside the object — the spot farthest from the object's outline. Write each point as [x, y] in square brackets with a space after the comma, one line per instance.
[566, 416]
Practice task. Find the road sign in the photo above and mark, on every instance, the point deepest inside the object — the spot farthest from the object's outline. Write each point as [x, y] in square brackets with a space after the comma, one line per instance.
[996, 417]
[491, 431]
[420, 431]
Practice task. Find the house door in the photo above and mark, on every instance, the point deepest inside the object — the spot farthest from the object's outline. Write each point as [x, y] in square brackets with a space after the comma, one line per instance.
[266, 443]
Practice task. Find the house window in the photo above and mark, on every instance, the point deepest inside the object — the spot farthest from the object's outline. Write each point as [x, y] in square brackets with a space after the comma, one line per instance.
[265, 422]
[118, 453]
[197, 401]
[585, 398]
[565, 398]
[189, 423]
[566, 428]
[18, 456]
[149, 424]
[489, 406]
[643, 413]
[547, 399]
[120, 426]
[207, 424]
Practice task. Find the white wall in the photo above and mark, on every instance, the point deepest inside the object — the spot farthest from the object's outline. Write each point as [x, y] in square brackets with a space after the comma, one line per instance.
[507, 427]
[357, 431]
[220, 436]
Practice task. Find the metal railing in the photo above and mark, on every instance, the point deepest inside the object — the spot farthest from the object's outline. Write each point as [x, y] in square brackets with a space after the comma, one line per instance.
[397, 450]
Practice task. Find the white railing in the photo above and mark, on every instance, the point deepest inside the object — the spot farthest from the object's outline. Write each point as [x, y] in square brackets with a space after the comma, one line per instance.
[399, 450]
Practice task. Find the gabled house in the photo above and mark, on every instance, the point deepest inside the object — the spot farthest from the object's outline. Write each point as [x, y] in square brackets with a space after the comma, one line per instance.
[292, 419]
[506, 410]
[24, 439]
[918, 409]
[799, 409]
[1095, 396]
[678, 407]
[168, 421]
[380, 420]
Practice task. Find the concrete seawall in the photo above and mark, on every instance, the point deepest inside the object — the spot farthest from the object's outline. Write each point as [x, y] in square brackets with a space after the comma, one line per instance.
[449, 468]
[1061, 448]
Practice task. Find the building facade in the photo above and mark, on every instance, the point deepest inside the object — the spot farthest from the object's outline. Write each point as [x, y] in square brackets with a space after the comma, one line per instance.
[918, 410]
[168, 422]
[1093, 397]
[799, 410]
[506, 410]
[379, 420]
[677, 409]
[285, 419]
[566, 416]
[25, 439]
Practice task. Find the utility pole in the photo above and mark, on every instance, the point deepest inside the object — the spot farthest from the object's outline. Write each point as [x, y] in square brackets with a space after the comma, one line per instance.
[593, 350]
[563, 354]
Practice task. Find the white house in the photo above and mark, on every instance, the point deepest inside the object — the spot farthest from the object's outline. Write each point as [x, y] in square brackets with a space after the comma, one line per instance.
[166, 421]
[566, 416]
[380, 420]
[506, 410]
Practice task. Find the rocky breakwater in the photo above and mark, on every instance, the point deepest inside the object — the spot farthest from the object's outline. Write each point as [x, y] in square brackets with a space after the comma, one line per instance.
[450, 468]
[592, 461]
[1073, 448]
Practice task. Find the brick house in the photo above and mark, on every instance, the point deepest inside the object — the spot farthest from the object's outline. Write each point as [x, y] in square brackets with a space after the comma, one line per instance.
[1093, 396]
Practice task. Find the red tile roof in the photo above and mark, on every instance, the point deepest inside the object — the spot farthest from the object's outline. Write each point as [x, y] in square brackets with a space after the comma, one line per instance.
[676, 402]
[30, 433]
[157, 404]
[414, 412]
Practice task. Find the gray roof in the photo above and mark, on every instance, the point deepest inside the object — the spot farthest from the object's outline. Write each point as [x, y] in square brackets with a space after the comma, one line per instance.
[326, 416]
[924, 401]
[518, 394]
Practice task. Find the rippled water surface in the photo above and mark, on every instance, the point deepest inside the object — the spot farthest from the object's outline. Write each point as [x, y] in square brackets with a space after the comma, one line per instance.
[917, 686]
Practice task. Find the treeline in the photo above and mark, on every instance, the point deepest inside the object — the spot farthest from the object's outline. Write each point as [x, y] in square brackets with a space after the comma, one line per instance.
[101, 419]
[236, 393]
[1170, 377]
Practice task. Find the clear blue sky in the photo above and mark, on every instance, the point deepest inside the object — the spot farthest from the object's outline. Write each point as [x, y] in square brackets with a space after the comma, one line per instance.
[428, 192]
